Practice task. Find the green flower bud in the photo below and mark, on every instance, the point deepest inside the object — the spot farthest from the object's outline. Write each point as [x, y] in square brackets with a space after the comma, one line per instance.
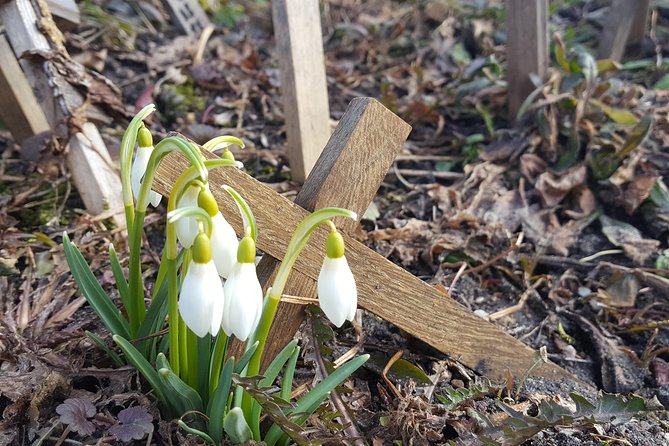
[334, 246]
[201, 249]
[144, 137]
[227, 154]
[206, 201]
[246, 253]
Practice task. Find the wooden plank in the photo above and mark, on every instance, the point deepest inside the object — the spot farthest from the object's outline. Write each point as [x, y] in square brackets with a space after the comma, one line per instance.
[614, 36]
[526, 48]
[66, 13]
[92, 170]
[384, 288]
[347, 174]
[640, 24]
[297, 29]
[19, 109]
[189, 15]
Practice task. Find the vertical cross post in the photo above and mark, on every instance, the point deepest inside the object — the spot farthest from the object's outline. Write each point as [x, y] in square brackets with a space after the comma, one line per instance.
[347, 174]
[526, 48]
[640, 24]
[297, 30]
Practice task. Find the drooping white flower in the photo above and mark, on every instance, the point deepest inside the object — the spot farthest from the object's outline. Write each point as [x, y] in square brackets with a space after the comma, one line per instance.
[243, 303]
[337, 292]
[223, 238]
[224, 245]
[187, 228]
[139, 165]
[202, 298]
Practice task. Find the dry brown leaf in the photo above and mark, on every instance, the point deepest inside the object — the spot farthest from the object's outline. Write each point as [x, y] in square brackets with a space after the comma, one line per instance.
[531, 166]
[554, 187]
[581, 203]
[637, 191]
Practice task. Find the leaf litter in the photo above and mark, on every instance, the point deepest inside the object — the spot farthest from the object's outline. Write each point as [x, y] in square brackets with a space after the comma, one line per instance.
[559, 220]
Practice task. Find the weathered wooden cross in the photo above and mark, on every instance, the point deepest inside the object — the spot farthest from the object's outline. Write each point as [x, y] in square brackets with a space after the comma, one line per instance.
[348, 174]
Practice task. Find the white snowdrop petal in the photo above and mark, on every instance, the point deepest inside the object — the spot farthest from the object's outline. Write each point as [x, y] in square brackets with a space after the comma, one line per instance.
[337, 292]
[224, 245]
[243, 302]
[195, 300]
[138, 169]
[187, 228]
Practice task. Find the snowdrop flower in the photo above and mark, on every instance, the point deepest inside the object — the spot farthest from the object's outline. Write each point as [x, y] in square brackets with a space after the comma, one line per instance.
[202, 297]
[337, 293]
[243, 303]
[187, 228]
[224, 241]
[139, 165]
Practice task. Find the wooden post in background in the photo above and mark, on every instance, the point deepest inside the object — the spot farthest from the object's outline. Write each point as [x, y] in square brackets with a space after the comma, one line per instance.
[19, 109]
[640, 24]
[526, 48]
[625, 22]
[93, 172]
[297, 30]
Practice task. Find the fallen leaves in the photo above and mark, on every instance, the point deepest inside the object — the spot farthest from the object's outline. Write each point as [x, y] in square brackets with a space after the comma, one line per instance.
[75, 413]
[629, 238]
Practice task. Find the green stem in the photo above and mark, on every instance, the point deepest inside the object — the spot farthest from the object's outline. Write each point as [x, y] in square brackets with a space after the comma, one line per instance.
[297, 243]
[220, 346]
[173, 314]
[192, 353]
[137, 310]
[183, 350]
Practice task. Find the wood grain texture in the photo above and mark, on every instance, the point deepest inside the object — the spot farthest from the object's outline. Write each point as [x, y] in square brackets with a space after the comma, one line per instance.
[640, 24]
[619, 21]
[19, 108]
[384, 288]
[526, 47]
[92, 170]
[297, 30]
[65, 13]
[347, 174]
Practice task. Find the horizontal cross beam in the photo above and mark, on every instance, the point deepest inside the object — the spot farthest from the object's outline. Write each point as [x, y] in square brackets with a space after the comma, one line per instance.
[384, 288]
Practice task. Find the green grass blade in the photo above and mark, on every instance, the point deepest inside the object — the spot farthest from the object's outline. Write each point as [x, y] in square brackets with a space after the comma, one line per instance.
[246, 357]
[219, 401]
[288, 374]
[95, 296]
[309, 403]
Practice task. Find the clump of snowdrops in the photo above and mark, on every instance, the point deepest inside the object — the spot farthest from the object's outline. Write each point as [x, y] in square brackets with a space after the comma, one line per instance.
[206, 291]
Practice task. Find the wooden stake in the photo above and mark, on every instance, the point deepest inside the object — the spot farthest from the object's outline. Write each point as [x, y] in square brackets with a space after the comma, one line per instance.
[640, 25]
[297, 29]
[624, 15]
[19, 108]
[384, 288]
[94, 175]
[526, 48]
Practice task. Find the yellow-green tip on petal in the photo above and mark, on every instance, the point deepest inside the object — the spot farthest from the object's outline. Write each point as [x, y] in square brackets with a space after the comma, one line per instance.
[144, 137]
[202, 249]
[206, 201]
[227, 155]
[334, 246]
[246, 253]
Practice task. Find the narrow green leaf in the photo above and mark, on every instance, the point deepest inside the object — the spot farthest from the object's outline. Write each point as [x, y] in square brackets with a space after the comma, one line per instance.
[103, 345]
[246, 357]
[219, 401]
[306, 405]
[181, 391]
[619, 115]
[142, 365]
[662, 84]
[288, 374]
[95, 296]
[119, 277]
[636, 136]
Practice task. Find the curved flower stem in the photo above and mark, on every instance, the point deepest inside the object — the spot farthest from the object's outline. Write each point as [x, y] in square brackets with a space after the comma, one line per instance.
[224, 140]
[245, 210]
[220, 346]
[297, 243]
[127, 148]
[173, 314]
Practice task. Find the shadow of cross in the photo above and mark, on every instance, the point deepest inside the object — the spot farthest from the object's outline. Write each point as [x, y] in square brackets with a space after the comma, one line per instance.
[348, 173]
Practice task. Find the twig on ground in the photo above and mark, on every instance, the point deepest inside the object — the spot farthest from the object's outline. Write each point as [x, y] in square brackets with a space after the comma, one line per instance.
[392, 361]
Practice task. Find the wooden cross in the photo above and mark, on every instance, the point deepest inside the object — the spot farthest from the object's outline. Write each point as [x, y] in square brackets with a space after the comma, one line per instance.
[350, 170]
